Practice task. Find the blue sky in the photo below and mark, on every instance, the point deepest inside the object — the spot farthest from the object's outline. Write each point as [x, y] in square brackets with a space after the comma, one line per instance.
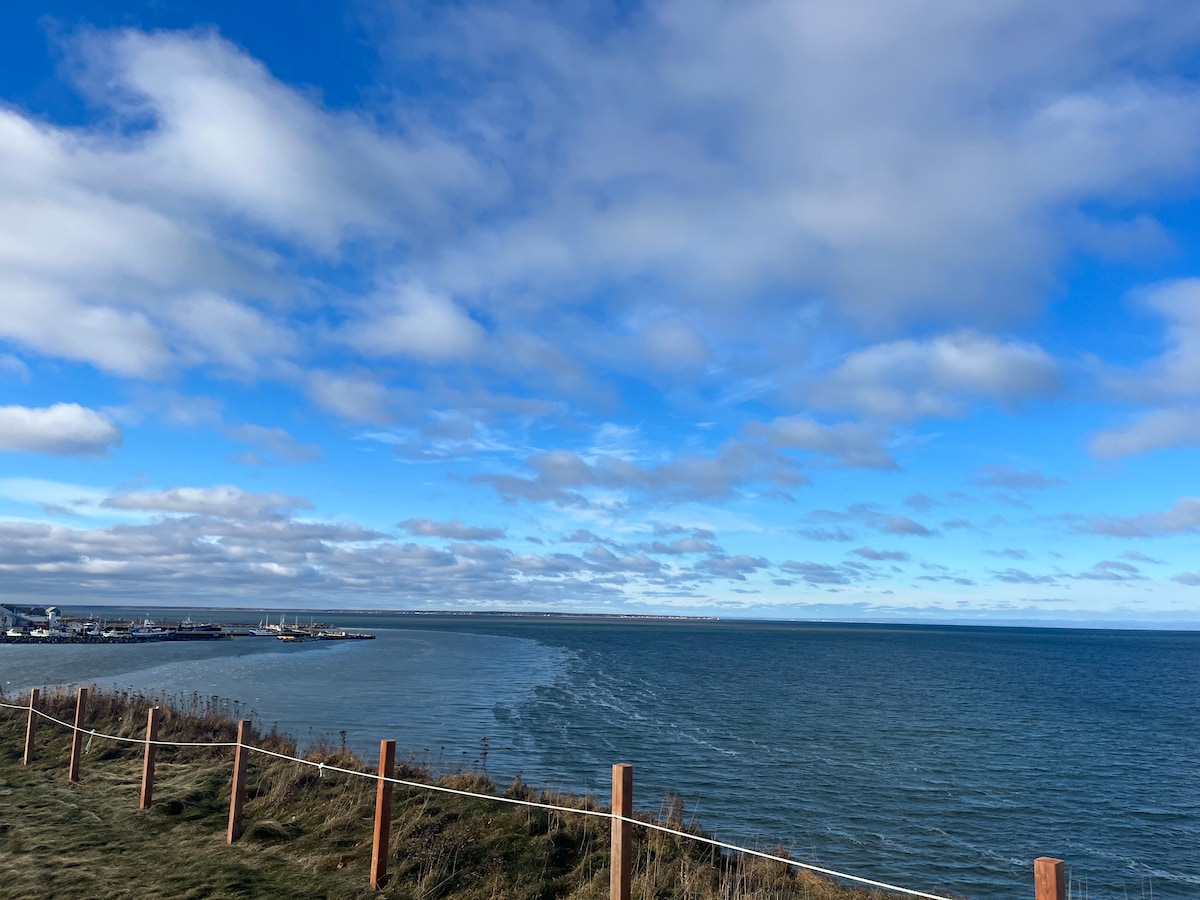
[787, 309]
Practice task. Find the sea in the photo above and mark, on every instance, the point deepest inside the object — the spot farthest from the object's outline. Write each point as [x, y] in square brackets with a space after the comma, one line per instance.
[942, 759]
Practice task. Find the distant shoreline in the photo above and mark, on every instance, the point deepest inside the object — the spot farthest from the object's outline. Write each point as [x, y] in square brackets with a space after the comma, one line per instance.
[1171, 627]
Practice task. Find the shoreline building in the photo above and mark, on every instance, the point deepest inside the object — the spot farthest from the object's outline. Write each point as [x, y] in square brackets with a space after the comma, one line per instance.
[27, 617]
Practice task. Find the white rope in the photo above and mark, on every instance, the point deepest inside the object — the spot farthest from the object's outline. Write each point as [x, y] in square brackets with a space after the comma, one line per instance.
[607, 815]
[117, 737]
[782, 859]
[419, 785]
[322, 767]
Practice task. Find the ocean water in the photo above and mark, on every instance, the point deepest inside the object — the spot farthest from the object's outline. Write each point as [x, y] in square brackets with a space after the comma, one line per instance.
[938, 758]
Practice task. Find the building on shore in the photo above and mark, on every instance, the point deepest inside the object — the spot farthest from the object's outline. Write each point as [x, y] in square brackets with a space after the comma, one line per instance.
[26, 617]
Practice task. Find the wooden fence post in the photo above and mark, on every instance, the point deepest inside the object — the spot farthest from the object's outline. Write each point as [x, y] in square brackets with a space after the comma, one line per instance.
[148, 765]
[237, 793]
[1049, 878]
[383, 814]
[30, 726]
[621, 860]
[77, 735]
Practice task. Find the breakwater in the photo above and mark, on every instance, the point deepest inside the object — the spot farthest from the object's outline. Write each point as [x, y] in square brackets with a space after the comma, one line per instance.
[71, 631]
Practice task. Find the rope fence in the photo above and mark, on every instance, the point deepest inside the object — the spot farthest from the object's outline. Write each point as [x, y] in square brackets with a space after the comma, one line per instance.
[1049, 874]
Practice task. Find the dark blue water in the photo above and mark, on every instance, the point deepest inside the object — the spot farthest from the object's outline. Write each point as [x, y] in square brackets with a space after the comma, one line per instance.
[943, 759]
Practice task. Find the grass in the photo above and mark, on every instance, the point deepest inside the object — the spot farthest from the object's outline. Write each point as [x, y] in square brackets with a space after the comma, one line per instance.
[308, 835]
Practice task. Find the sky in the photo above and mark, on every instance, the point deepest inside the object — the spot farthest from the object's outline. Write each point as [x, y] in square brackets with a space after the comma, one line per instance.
[775, 308]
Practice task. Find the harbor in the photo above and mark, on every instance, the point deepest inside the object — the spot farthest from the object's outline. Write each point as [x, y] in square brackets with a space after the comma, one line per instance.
[45, 625]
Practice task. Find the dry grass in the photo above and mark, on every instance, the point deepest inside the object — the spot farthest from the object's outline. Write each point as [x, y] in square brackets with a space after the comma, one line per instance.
[308, 835]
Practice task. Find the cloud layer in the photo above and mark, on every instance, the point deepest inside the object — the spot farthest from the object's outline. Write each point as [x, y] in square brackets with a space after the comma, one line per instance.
[685, 305]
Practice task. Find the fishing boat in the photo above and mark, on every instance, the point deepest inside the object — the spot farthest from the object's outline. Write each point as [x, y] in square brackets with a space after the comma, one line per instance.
[198, 631]
[148, 631]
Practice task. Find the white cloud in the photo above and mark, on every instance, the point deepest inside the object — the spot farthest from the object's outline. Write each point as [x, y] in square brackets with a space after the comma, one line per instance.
[452, 530]
[912, 379]
[125, 233]
[735, 568]
[730, 148]
[357, 397]
[680, 174]
[563, 476]
[682, 547]
[64, 429]
[223, 500]
[275, 443]
[870, 514]
[1176, 371]
[1008, 477]
[1111, 570]
[12, 367]
[228, 134]
[1157, 430]
[673, 345]
[851, 444]
[821, 573]
[882, 555]
[1182, 518]
[227, 333]
[77, 249]
[36, 316]
[1168, 380]
[415, 322]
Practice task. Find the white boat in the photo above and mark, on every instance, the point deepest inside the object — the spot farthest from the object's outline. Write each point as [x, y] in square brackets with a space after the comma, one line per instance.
[16, 633]
[113, 633]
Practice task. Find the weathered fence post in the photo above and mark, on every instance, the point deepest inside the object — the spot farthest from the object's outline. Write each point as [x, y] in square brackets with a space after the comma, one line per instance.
[1049, 878]
[383, 814]
[621, 861]
[148, 765]
[238, 791]
[30, 726]
[77, 735]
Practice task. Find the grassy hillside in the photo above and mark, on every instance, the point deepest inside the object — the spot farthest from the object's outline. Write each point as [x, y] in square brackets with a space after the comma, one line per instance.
[308, 835]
